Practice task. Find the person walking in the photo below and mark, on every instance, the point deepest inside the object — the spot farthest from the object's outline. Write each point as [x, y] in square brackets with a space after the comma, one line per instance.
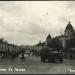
[23, 58]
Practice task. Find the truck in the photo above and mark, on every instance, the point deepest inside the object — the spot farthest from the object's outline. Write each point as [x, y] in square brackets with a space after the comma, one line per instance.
[52, 55]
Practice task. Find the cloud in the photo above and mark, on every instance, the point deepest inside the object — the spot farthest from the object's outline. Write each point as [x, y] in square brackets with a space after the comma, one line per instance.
[28, 22]
[71, 5]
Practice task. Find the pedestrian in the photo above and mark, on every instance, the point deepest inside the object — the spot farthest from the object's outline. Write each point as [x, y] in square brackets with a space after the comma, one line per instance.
[23, 58]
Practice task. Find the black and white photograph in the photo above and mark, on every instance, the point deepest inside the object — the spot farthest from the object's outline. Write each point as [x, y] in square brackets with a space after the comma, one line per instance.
[37, 37]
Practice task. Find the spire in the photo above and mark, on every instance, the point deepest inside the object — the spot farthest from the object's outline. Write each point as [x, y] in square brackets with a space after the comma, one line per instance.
[48, 37]
[69, 19]
[69, 22]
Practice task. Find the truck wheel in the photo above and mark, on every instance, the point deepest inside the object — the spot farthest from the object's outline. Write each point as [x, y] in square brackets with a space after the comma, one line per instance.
[51, 60]
[42, 59]
[61, 60]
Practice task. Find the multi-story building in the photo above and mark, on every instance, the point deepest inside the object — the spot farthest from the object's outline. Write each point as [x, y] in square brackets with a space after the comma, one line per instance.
[66, 39]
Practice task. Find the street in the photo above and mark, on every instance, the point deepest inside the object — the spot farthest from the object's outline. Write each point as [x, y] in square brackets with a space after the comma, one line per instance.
[33, 65]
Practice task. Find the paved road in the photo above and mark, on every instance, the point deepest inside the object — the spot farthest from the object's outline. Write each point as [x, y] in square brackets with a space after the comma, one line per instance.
[32, 65]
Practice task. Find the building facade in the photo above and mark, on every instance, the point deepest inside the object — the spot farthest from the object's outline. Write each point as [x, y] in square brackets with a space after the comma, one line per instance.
[66, 39]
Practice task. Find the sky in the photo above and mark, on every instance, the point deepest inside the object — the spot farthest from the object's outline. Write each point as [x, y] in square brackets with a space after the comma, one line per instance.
[28, 22]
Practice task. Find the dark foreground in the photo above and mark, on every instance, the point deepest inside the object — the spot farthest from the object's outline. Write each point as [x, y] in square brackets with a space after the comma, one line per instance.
[32, 65]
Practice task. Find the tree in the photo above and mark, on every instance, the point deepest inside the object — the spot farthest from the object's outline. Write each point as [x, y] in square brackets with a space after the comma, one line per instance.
[54, 43]
[1, 40]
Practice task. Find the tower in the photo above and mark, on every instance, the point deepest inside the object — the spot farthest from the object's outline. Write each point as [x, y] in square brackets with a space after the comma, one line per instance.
[69, 30]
